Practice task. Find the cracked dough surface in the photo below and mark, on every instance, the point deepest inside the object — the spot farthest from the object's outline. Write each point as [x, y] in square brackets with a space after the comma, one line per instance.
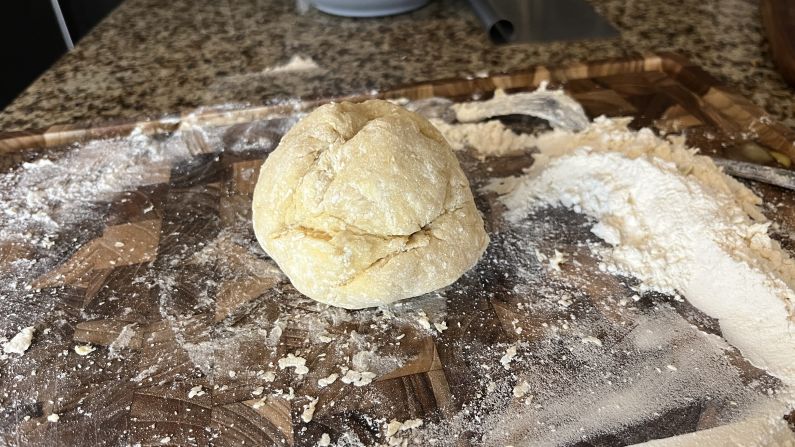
[366, 204]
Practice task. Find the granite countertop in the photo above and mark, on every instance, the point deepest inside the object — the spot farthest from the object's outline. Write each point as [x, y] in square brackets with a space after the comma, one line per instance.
[153, 57]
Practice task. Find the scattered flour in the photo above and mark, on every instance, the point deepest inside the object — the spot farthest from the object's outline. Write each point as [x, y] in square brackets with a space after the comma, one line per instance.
[673, 220]
[493, 138]
[507, 358]
[592, 340]
[621, 383]
[678, 223]
[296, 63]
[521, 389]
[122, 341]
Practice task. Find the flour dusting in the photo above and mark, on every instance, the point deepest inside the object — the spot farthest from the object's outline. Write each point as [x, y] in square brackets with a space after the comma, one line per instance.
[296, 63]
[571, 329]
[677, 223]
[673, 220]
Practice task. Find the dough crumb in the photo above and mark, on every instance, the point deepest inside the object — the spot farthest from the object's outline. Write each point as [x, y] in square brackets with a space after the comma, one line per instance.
[198, 390]
[358, 378]
[423, 321]
[506, 359]
[393, 427]
[269, 376]
[521, 389]
[20, 343]
[293, 361]
[309, 411]
[411, 424]
[84, 350]
[326, 381]
[557, 259]
[325, 440]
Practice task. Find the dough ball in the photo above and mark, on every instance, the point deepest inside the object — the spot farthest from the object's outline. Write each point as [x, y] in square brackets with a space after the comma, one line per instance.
[365, 204]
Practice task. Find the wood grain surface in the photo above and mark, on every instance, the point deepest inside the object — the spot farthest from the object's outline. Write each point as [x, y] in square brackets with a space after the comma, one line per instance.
[189, 318]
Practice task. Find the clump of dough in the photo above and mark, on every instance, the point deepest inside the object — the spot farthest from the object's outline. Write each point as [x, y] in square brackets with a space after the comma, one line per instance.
[365, 204]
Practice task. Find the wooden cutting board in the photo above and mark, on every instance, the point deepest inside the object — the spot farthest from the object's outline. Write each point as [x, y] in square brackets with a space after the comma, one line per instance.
[165, 280]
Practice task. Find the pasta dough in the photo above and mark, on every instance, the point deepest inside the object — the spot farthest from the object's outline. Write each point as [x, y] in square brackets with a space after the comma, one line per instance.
[365, 204]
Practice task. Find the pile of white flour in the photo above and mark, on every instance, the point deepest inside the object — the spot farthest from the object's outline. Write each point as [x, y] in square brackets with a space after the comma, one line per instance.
[676, 222]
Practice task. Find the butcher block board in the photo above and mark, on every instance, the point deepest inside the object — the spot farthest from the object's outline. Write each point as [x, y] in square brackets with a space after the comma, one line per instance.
[142, 249]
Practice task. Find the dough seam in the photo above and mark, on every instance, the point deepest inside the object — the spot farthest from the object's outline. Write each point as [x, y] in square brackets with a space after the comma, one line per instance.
[383, 260]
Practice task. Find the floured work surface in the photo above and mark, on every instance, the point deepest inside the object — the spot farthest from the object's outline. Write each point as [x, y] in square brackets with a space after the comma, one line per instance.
[158, 320]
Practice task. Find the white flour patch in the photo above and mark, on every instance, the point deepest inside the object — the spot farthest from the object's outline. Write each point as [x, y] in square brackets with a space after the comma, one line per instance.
[677, 223]
[296, 63]
[681, 226]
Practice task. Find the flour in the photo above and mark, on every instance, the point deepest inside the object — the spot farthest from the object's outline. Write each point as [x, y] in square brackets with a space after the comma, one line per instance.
[673, 220]
[610, 389]
[296, 63]
[122, 341]
[677, 223]
[572, 363]
[506, 359]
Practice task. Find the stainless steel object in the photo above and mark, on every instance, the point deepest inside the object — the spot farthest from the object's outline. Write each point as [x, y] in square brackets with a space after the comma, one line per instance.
[515, 21]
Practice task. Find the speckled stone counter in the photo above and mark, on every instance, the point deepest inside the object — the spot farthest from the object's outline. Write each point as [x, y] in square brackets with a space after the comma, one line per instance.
[153, 57]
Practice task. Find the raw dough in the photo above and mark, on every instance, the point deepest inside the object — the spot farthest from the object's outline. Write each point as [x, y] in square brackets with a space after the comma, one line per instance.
[365, 204]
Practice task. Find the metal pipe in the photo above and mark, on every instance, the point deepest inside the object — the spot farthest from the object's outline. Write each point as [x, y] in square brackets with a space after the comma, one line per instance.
[67, 39]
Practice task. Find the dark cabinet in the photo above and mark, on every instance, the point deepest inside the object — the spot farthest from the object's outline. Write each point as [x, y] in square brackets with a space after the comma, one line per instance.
[31, 39]
[82, 15]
